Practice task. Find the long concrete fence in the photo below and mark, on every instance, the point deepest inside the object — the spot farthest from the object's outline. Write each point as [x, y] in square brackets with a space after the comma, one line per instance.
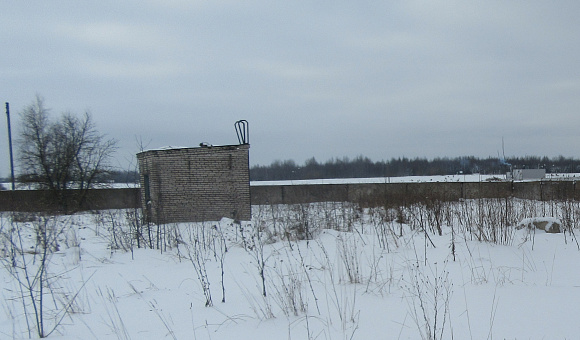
[364, 193]
[378, 193]
[42, 200]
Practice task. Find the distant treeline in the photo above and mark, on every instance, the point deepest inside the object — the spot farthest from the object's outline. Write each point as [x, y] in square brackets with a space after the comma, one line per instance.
[361, 167]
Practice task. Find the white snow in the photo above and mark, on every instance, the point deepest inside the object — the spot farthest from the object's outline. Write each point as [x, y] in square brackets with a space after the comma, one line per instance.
[357, 278]
[409, 179]
[402, 179]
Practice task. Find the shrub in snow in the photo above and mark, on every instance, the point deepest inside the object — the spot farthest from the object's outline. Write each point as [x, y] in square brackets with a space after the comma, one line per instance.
[549, 224]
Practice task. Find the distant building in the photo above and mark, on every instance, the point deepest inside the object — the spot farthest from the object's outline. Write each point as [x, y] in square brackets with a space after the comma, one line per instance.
[195, 184]
[527, 174]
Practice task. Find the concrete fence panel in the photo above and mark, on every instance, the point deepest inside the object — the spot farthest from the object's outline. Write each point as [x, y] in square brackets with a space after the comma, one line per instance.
[370, 194]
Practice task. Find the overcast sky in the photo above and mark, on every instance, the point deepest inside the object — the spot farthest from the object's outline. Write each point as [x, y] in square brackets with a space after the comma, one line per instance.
[323, 79]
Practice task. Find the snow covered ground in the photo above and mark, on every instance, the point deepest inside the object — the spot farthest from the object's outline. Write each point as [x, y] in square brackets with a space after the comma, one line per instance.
[329, 271]
[402, 179]
[411, 179]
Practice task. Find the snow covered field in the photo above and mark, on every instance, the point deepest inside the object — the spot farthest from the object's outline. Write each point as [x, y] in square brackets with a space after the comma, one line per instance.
[328, 271]
[412, 179]
[402, 179]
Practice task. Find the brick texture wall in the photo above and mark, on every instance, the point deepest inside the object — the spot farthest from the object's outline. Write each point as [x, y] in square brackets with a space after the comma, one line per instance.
[195, 184]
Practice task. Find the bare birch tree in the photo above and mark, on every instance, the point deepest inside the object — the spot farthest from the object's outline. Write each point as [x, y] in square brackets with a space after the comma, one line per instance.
[68, 153]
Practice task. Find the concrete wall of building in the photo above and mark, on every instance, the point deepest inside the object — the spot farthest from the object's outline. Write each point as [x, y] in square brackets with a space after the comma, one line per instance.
[195, 184]
[527, 174]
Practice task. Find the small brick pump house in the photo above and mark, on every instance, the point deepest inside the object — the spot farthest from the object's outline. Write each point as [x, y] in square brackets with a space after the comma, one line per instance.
[196, 184]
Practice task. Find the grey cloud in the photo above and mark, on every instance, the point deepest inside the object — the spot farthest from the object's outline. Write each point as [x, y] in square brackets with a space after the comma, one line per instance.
[381, 79]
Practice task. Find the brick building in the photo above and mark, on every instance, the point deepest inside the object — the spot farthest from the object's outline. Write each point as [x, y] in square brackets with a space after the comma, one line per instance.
[195, 184]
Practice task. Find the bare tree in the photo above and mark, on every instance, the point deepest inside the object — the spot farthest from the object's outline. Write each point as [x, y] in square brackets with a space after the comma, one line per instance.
[68, 153]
